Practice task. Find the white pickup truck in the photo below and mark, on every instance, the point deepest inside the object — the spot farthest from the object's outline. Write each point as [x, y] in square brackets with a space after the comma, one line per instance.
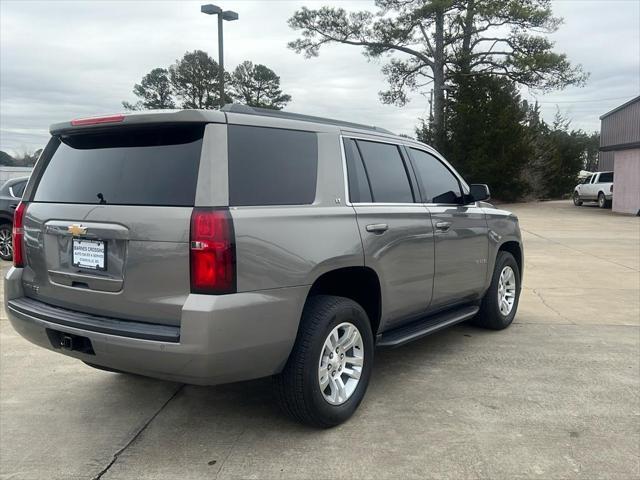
[597, 187]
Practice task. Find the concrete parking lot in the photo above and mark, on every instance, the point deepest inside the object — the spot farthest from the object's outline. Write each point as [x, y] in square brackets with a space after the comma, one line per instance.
[557, 395]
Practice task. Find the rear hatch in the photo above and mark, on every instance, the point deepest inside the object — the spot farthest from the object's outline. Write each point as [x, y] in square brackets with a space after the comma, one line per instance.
[107, 226]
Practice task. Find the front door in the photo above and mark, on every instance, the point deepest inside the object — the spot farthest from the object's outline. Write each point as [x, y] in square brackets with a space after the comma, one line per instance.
[461, 233]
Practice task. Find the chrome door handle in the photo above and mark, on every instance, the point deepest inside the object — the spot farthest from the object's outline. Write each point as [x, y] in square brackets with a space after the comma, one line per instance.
[443, 226]
[377, 227]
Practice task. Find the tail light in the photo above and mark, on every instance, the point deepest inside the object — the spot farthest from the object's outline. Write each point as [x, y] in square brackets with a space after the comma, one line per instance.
[18, 235]
[213, 257]
[611, 189]
[79, 122]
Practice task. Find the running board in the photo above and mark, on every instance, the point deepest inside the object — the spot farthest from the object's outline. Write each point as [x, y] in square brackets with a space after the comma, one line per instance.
[421, 328]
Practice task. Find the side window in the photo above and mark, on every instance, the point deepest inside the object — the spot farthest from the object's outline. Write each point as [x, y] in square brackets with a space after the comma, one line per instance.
[386, 172]
[593, 178]
[359, 190]
[606, 177]
[18, 189]
[587, 180]
[271, 166]
[438, 184]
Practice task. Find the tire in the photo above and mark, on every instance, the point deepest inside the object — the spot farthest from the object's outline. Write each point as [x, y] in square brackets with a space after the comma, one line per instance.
[298, 386]
[603, 202]
[490, 315]
[6, 243]
[576, 199]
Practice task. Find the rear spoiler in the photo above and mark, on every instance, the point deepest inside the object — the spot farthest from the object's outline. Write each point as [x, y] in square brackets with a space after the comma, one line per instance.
[139, 118]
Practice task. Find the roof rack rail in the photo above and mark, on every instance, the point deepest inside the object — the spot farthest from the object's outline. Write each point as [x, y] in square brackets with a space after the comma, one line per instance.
[267, 112]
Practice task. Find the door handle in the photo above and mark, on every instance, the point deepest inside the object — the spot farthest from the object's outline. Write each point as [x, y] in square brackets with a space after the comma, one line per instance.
[443, 226]
[13, 206]
[377, 227]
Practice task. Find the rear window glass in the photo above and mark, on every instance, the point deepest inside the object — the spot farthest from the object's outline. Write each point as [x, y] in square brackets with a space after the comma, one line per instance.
[127, 166]
[271, 166]
[386, 172]
[606, 177]
[359, 190]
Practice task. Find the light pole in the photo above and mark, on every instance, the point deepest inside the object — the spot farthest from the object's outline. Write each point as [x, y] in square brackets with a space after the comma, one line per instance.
[222, 15]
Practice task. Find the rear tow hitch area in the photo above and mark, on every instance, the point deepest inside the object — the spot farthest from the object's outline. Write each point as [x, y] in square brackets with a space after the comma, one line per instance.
[69, 341]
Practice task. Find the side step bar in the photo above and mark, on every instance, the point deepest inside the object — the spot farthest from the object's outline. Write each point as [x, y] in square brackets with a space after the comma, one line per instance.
[426, 326]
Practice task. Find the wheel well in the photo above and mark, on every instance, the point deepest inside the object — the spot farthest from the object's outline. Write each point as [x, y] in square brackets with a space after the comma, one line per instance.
[514, 249]
[360, 284]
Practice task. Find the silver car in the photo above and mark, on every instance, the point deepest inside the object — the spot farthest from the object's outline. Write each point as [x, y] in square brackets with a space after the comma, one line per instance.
[215, 246]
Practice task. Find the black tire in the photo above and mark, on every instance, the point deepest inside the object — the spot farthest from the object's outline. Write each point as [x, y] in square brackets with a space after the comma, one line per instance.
[603, 202]
[490, 315]
[6, 246]
[576, 199]
[298, 387]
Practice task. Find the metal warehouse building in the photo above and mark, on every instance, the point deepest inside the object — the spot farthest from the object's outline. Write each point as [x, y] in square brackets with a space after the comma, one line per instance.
[620, 152]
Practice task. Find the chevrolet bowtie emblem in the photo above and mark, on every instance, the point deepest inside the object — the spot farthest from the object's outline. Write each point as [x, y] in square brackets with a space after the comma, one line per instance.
[75, 229]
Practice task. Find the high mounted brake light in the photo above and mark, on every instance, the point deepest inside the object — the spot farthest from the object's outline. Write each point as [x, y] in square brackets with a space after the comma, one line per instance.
[213, 258]
[78, 122]
[18, 235]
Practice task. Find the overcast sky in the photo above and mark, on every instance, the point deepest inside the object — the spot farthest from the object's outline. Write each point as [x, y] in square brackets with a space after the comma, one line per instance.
[63, 60]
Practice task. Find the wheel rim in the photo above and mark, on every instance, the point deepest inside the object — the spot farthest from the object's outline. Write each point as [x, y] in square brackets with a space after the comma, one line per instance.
[601, 200]
[341, 363]
[6, 243]
[506, 290]
[576, 199]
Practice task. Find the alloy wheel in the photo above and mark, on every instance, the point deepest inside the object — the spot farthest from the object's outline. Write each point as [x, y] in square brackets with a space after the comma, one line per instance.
[506, 290]
[6, 243]
[341, 362]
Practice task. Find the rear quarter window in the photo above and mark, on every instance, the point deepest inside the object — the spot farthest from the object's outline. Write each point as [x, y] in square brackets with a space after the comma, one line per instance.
[126, 166]
[17, 189]
[271, 166]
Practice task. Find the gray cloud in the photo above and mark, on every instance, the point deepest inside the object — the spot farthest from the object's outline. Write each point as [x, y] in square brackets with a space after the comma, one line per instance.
[62, 60]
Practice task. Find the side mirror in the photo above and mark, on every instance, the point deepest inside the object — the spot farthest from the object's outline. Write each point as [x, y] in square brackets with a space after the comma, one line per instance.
[480, 192]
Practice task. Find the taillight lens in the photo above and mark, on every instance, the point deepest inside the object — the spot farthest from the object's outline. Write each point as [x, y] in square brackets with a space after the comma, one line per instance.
[78, 122]
[213, 258]
[18, 235]
[611, 189]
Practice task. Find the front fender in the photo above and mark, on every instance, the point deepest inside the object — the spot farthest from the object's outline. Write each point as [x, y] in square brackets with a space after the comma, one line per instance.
[503, 227]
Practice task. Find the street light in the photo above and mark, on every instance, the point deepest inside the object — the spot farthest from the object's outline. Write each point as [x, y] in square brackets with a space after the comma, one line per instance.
[229, 16]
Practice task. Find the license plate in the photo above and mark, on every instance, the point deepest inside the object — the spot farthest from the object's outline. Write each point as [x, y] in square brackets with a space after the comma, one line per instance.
[89, 254]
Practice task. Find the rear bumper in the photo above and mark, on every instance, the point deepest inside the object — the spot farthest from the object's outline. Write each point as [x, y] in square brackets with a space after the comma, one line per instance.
[222, 339]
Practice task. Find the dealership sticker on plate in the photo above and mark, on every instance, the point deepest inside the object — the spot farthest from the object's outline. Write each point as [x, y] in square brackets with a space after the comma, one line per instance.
[89, 254]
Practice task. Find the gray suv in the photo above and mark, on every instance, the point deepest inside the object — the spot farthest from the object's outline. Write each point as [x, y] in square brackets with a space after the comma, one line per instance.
[215, 246]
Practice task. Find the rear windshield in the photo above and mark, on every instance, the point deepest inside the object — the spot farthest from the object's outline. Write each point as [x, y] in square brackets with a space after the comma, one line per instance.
[132, 166]
[606, 177]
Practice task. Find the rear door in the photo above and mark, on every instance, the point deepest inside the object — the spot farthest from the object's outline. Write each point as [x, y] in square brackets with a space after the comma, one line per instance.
[604, 181]
[461, 233]
[396, 232]
[107, 224]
